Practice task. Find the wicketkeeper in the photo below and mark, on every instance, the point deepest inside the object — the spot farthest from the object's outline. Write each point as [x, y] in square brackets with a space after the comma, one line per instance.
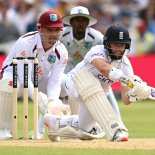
[52, 56]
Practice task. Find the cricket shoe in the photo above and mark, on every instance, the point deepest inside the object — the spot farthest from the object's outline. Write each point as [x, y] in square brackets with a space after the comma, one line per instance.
[55, 130]
[120, 136]
[69, 131]
[5, 134]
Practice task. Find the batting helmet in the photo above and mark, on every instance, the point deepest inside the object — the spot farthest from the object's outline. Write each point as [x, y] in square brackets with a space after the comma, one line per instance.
[50, 19]
[116, 34]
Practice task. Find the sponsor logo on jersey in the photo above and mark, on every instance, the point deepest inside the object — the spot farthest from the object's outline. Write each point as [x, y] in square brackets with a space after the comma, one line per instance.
[10, 83]
[104, 79]
[88, 45]
[65, 61]
[51, 59]
[40, 71]
[115, 125]
[77, 54]
[23, 54]
[97, 54]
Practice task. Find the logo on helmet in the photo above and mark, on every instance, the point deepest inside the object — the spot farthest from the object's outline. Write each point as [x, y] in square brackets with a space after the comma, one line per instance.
[121, 35]
[53, 17]
[80, 11]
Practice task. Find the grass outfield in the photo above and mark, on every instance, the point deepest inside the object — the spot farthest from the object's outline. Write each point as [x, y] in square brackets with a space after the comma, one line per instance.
[69, 151]
[138, 117]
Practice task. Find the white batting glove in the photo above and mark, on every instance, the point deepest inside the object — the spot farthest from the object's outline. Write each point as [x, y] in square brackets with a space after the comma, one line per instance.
[140, 90]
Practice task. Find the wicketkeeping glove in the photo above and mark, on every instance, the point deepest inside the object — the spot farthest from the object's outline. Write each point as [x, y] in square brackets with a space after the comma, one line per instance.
[55, 107]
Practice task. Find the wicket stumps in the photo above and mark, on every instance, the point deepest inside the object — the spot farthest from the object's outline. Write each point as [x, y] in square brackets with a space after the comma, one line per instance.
[25, 97]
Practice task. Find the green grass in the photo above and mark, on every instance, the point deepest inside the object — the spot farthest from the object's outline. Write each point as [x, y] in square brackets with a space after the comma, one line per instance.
[68, 151]
[20, 118]
[138, 117]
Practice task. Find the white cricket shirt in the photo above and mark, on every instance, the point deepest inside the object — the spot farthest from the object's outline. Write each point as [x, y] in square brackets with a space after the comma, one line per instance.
[99, 52]
[51, 62]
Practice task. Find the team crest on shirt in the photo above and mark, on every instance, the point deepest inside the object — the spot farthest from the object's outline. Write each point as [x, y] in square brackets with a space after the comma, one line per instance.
[77, 54]
[51, 59]
[88, 45]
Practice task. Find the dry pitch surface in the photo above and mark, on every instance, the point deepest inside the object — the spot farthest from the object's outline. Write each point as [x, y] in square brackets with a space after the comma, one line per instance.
[132, 144]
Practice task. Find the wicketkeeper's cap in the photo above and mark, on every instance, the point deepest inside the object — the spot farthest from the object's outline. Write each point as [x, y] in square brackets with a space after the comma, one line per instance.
[50, 19]
[77, 12]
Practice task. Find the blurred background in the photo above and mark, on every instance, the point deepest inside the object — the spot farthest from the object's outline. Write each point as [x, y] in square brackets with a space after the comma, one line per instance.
[20, 16]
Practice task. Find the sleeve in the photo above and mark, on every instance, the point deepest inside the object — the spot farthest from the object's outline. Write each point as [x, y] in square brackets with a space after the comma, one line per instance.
[22, 50]
[95, 52]
[127, 68]
[54, 83]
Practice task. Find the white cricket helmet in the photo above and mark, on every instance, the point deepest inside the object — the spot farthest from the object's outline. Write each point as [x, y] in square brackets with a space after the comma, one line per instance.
[79, 11]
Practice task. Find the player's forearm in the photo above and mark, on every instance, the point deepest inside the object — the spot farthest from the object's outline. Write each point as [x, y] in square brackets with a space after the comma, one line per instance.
[102, 66]
[124, 96]
[108, 70]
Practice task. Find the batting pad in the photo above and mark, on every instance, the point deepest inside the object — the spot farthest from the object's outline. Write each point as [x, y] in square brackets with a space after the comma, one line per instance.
[97, 103]
[6, 85]
[73, 106]
[5, 110]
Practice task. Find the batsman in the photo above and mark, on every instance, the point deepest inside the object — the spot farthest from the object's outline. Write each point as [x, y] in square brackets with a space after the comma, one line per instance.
[89, 82]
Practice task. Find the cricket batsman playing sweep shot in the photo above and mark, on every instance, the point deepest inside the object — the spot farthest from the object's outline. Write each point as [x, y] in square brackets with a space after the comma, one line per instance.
[85, 84]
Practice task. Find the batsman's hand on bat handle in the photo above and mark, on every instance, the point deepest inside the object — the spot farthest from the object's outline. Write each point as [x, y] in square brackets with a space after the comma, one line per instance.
[129, 84]
[125, 80]
[139, 89]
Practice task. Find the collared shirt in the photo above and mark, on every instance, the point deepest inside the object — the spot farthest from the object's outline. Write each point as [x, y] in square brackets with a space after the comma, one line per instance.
[77, 49]
[51, 63]
[99, 52]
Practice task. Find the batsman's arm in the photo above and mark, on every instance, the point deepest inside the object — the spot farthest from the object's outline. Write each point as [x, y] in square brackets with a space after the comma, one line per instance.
[116, 75]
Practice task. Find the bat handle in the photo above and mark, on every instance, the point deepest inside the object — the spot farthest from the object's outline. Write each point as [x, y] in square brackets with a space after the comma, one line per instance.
[129, 84]
[124, 79]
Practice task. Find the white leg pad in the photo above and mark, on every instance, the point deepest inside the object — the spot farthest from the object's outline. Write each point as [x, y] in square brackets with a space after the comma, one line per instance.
[73, 106]
[97, 103]
[5, 110]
